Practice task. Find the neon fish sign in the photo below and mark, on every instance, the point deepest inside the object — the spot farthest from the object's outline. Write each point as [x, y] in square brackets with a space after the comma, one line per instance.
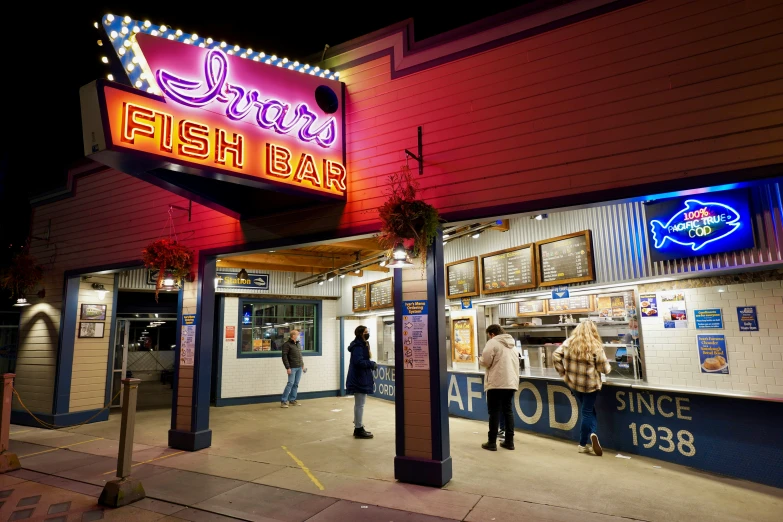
[696, 225]
[240, 102]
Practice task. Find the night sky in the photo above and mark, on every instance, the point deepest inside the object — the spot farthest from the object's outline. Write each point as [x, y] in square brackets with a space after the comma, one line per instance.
[55, 52]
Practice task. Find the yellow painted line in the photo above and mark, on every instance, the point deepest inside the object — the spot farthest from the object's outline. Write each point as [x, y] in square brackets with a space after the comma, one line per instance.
[18, 432]
[148, 461]
[59, 448]
[304, 468]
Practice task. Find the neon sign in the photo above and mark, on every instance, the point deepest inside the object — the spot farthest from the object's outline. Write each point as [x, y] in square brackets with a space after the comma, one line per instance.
[699, 225]
[212, 113]
[241, 102]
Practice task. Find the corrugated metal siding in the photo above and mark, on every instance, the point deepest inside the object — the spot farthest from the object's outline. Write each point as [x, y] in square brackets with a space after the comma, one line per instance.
[346, 305]
[620, 248]
[135, 280]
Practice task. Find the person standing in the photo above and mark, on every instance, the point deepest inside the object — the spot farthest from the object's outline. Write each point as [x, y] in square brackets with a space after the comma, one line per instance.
[581, 360]
[500, 382]
[294, 365]
[360, 381]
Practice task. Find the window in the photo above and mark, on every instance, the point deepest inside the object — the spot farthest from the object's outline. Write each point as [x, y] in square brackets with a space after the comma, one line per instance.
[266, 325]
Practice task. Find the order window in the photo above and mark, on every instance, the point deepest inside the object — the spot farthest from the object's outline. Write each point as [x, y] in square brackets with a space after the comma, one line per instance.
[267, 325]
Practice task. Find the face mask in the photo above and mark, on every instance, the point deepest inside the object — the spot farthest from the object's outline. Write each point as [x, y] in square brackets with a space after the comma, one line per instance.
[366, 336]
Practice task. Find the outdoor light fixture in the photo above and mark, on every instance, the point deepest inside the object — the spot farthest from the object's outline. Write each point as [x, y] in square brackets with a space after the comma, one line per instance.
[476, 234]
[539, 217]
[331, 277]
[342, 276]
[383, 263]
[98, 287]
[399, 252]
[243, 274]
[321, 282]
[22, 302]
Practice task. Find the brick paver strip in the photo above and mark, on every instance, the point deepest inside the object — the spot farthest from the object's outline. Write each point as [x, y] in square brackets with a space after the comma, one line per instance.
[21, 515]
[6, 493]
[90, 516]
[57, 519]
[59, 508]
[29, 501]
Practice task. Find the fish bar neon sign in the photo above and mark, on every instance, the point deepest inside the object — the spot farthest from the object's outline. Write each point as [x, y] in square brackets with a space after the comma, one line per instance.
[700, 225]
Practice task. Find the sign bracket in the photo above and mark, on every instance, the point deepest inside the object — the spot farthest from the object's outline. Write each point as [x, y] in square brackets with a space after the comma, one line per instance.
[189, 210]
[419, 158]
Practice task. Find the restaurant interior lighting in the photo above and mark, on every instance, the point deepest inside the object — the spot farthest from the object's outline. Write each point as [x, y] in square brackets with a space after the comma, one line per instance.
[331, 277]
[539, 217]
[342, 276]
[383, 263]
[100, 290]
[476, 234]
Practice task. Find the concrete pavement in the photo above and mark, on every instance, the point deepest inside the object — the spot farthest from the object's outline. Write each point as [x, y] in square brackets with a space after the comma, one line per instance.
[254, 471]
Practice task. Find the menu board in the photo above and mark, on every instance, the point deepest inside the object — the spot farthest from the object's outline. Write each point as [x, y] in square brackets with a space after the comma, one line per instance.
[510, 269]
[463, 278]
[360, 301]
[531, 308]
[580, 303]
[382, 293]
[565, 259]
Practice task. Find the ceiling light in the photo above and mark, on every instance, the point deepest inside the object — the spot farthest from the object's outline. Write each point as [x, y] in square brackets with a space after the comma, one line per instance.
[168, 281]
[446, 236]
[476, 234]
[539, 217]
[400, 263]
[357, 271]
[321, 282]
[331, 277]
[383, 263]
[342, 276]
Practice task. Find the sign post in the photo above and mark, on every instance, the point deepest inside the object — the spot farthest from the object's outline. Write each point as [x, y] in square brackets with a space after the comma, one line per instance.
[8, 461]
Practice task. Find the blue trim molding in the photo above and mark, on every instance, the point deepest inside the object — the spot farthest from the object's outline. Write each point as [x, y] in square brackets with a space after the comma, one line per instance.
[260, 399]
[70, 312]
[61, 420]
[277, 353]
[342, 357]
[112, 337]
[177, 348]
[399, 369]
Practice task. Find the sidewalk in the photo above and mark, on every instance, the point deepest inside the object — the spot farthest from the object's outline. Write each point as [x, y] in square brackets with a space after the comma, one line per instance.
[247, 474]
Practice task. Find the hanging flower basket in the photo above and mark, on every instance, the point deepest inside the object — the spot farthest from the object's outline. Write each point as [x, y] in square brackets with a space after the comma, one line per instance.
[169, 258]
[21, 276]
[405, 219]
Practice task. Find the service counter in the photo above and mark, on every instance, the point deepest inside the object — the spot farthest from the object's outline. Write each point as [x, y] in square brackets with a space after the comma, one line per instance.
[730, 433]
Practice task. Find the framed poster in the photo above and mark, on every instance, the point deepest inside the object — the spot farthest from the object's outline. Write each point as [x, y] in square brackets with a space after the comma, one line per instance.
[565, 259]
[463, 344]
[93, 312]
[713, 357]
[381, 293]
[673, 310]
[532, 308]
[509, 269]
[91, 330]
[576, 304]
[361, 301]
[462, 278]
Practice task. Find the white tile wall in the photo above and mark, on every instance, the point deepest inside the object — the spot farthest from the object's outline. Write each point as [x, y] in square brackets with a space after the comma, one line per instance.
[755, 358]
[248, 377]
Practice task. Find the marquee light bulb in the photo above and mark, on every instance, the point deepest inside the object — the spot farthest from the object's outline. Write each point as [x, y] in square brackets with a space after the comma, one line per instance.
[154, 32]
[210, 40]
[236, 48]
[290, 67]
[130, 67]
[163, 28]
[136, 29]
[285, 60]
[122, 51]
[113, 35]
[279, 64]
[147, 23]
[255, 58]
[110, 18]
[126, 43]
[100, 43]
[110, 77]
[135, 59]
[274, 57]
[261, 54]
[231, 51]
[104, 59]
[150, 90]
[249, 50]
[179, 32]
[138, 84]
[95, 24]
[171, 37]
[317, 68]
[124, 30]
[188, 41]
[194, 37]
[127, 20]
[337, 74]
[326, 71]
[222, 44]
[202, 45]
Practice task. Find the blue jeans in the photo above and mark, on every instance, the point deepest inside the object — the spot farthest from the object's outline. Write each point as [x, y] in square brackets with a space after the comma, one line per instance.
[293, 384]
[358, 409]
[589, 420]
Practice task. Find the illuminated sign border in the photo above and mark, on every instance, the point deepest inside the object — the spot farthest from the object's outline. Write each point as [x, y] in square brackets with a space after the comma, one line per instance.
[220, 274]
[736, 218]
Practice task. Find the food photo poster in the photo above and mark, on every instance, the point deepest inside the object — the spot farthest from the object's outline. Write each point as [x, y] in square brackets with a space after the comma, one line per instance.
[671, 307]
[649, 306]
[713, 357]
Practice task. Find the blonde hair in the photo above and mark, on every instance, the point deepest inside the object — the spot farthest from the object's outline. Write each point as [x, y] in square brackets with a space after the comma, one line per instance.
[585, 341]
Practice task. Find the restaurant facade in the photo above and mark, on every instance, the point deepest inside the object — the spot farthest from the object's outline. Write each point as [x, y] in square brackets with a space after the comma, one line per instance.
[595, 160]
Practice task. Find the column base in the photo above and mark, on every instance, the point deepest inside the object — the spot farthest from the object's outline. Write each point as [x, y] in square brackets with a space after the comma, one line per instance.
[413, 470]
[9, 462]
[121, 492]
[189, 440]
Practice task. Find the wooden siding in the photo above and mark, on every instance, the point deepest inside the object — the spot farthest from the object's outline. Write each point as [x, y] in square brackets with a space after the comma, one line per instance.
[91, 356]
[661, 90]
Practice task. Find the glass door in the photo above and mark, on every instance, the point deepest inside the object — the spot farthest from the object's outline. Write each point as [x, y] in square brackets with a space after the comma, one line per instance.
[120, 360]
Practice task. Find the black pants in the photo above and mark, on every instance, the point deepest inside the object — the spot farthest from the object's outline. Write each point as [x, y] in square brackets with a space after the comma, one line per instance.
[499, 402]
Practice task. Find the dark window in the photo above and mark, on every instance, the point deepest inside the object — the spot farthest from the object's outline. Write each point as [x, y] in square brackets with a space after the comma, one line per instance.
[266, 325]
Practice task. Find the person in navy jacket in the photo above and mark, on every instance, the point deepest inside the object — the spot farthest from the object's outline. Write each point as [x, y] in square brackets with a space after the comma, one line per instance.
[360, 381]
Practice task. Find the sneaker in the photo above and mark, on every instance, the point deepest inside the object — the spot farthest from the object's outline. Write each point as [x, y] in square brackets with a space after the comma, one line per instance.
[584, 449]
[502, 434]
[284, 405]
[295, 403]
[361, 433]
[490, 446]
[507, 445]
[596, 445]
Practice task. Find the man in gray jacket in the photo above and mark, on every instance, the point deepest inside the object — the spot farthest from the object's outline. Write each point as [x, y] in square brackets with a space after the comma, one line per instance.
[500, 383]
[292, 360]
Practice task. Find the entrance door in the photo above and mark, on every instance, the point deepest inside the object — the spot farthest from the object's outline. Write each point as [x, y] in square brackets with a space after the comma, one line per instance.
[120, 360]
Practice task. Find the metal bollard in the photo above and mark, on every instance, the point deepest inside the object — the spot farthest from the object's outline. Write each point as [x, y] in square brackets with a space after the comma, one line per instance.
[124, 489]
[8, 461]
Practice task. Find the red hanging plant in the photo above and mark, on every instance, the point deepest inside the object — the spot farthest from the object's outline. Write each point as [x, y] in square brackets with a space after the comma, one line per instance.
[169, 258]
[21, 275]
[405, 219]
